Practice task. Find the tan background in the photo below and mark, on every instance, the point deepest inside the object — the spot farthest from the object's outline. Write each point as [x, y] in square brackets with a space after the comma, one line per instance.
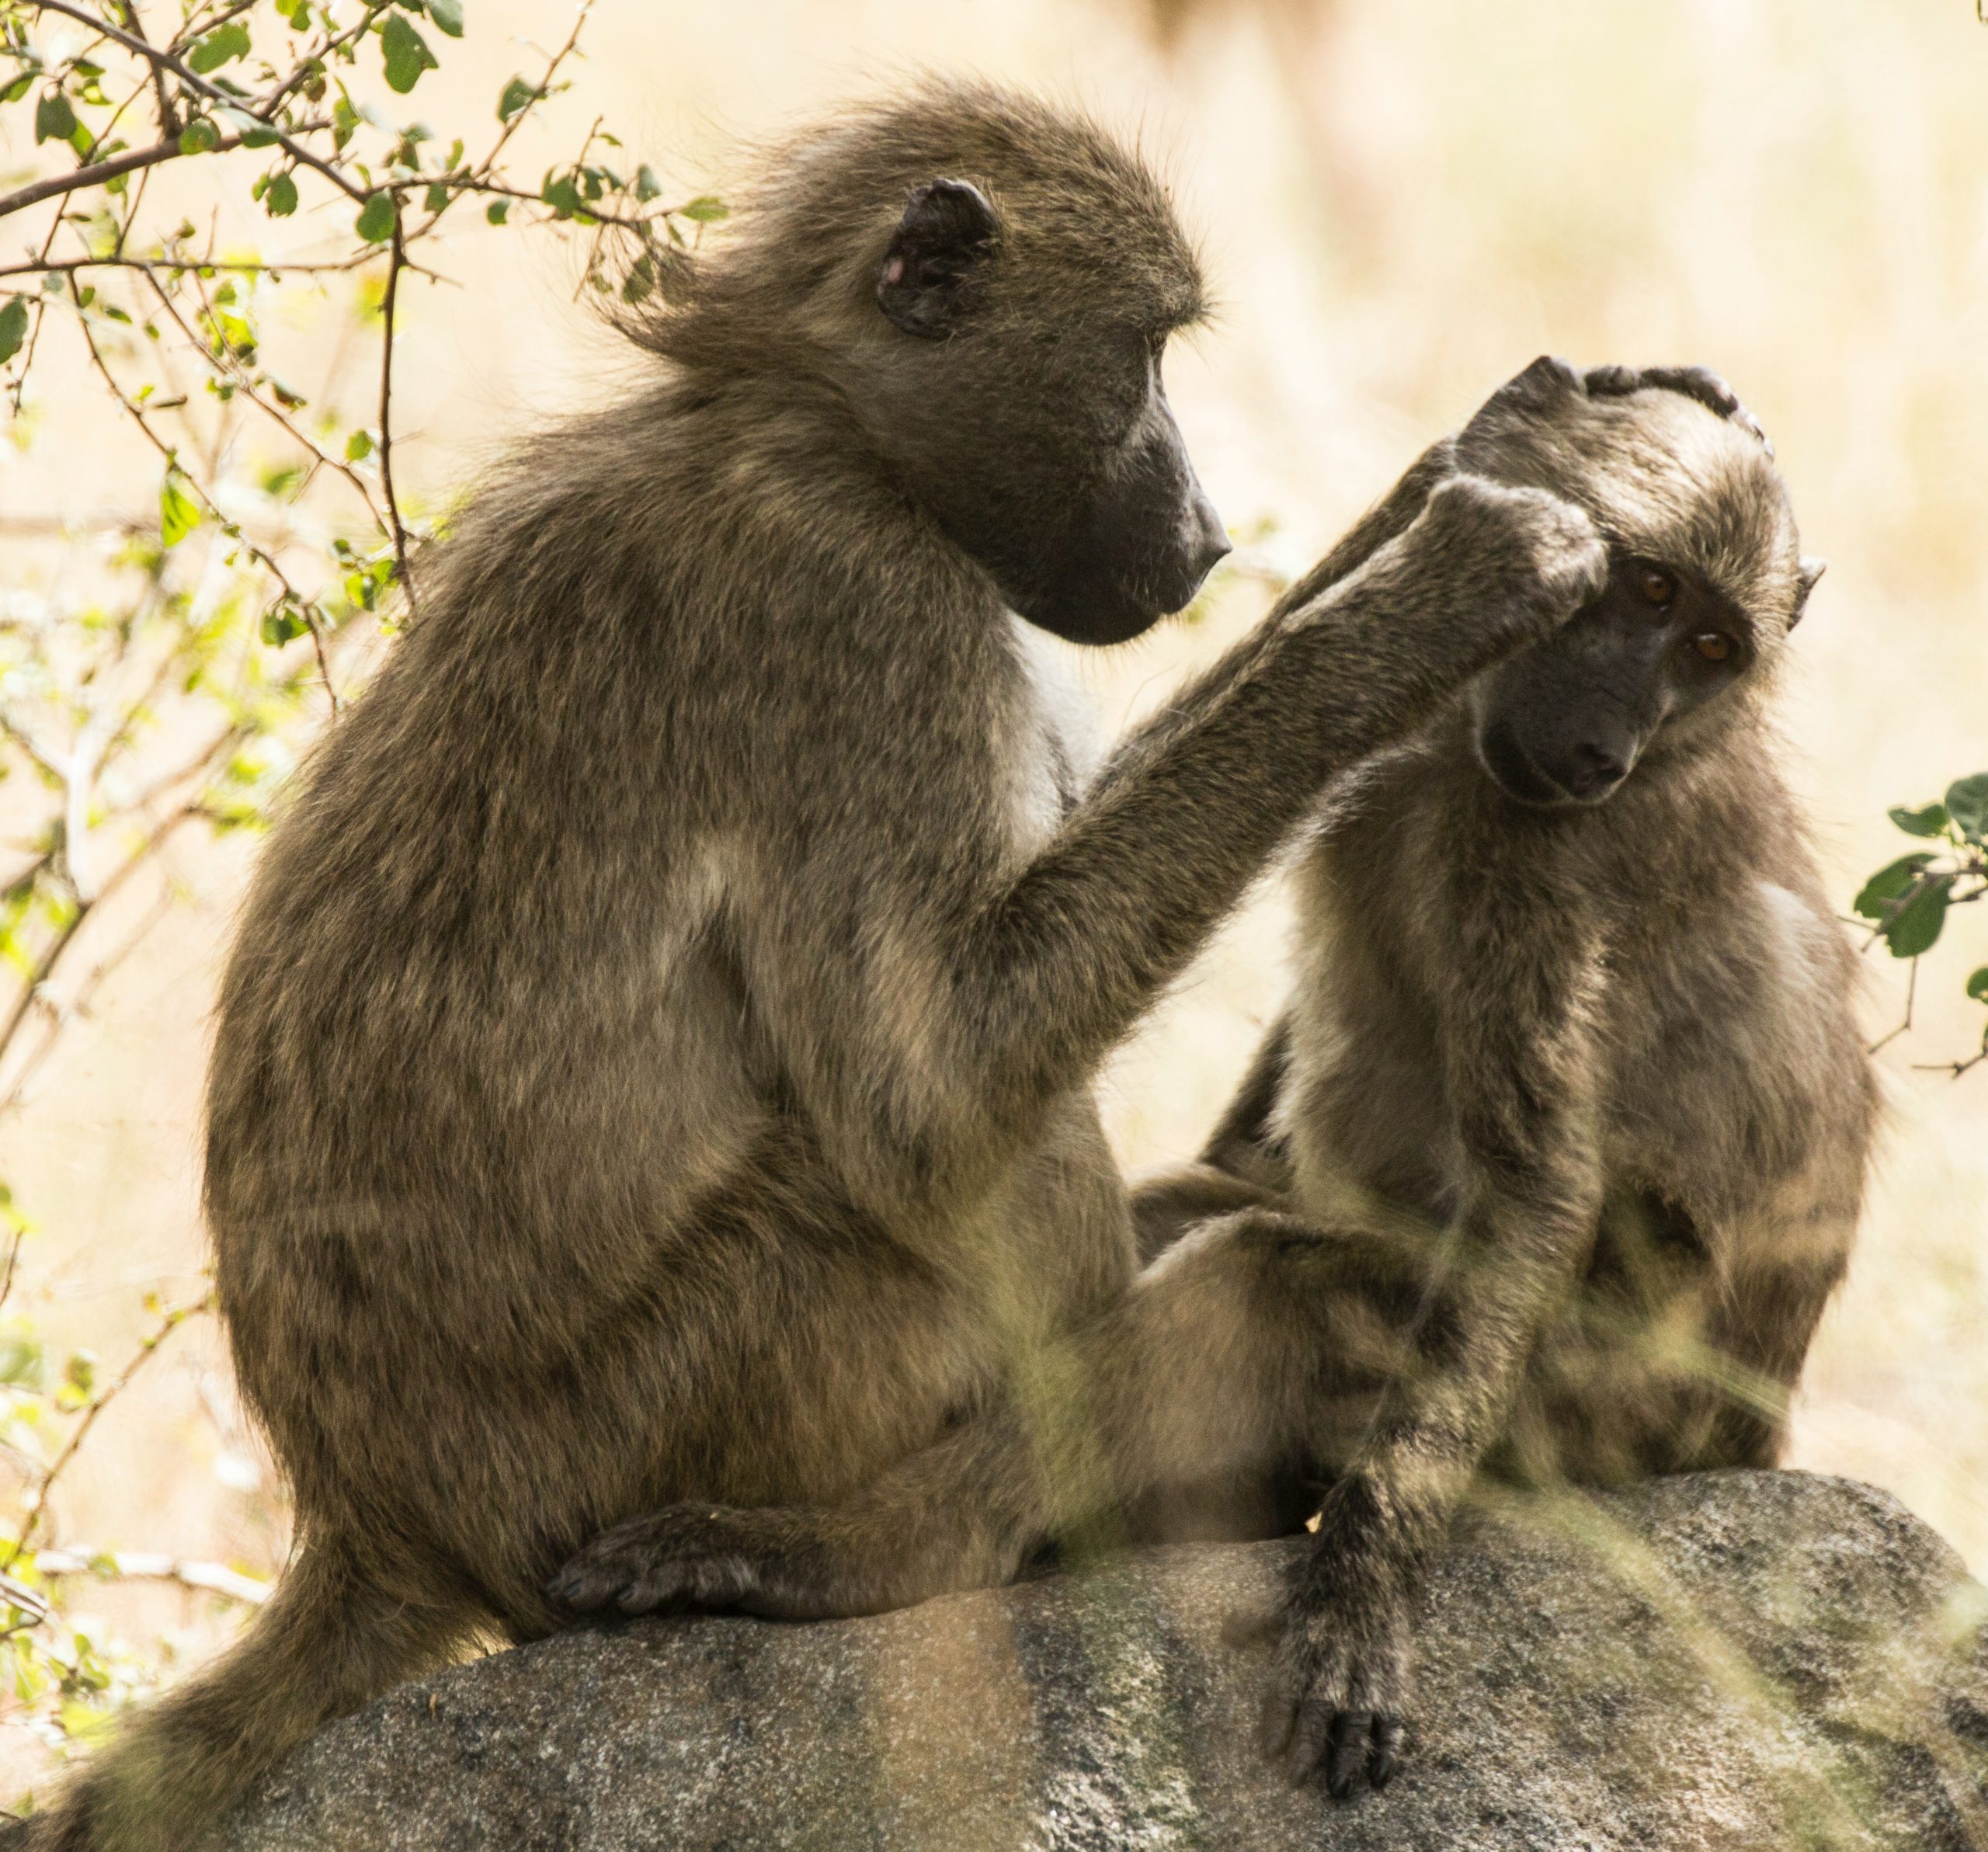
[1400, 206]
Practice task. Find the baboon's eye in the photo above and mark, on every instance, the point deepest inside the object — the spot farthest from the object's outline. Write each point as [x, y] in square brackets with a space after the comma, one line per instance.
[1656, 585]
[1714, 646]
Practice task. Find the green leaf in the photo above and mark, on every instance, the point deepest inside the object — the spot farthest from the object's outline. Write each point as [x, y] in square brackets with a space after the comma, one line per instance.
[1928, 820]
[13, 327]
[282, 622]
[54, 119]
[1977, 986]
[640, 282]
[406, 52]
[437, 197]
[178, 513]
[517, 93]
[255, 133]
[280, 198]
[345, 120]
[198, 137]
[497, 211]
[706, 209]
[376, 218]
[647, 186]
[1967, 804]
[299, 15]
[18, 89]
[1913, 928]
[224, 42]
[1888, 884]
[448, 16]
[359, 447]
[563, 196]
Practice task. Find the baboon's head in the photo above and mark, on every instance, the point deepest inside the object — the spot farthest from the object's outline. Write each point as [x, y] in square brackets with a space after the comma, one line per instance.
[1706, 580]
[986, 286]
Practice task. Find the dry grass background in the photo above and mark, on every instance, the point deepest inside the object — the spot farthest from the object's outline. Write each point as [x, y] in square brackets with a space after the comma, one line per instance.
[1401, 205]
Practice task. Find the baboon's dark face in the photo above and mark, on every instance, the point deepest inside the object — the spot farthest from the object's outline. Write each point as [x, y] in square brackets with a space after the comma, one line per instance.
[1022, 398]
[1566, 722]
[1139, 536]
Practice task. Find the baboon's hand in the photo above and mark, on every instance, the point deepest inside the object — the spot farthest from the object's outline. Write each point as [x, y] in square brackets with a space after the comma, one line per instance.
[1339, 1675]
[1521, 561]
[1700, 383]
[705, 1559]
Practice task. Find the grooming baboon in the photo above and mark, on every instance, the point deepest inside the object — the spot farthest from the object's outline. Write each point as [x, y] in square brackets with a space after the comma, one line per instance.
[1552, 1164]
[654, 1061]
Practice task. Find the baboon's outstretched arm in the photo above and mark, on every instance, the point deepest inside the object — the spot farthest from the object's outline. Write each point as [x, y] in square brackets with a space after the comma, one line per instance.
[929, 1022]
[1522, 1077]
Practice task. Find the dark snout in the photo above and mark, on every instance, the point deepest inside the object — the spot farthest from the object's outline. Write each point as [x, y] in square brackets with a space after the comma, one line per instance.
[1200, 543]
[1548, 765]
[1591, 768]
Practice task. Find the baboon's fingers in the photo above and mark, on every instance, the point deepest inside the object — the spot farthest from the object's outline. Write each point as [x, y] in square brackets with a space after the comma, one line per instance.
[681, 1557]
[1345, 1750]
[1386, 1752]
[1311, 1732]
[1700, 383]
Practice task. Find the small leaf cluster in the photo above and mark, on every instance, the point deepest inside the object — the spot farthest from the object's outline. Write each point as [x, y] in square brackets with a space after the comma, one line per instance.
[1908, 900]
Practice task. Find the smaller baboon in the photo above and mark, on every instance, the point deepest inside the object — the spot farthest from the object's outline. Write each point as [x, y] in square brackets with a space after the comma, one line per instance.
[1572, 1058]
[1551, 1166]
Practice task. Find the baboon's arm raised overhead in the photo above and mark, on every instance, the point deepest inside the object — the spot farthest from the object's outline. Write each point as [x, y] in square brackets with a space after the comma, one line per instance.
[654, 1063]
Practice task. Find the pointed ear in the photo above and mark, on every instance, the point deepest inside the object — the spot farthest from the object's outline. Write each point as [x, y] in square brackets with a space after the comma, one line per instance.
[937, 257]
[1812, 569]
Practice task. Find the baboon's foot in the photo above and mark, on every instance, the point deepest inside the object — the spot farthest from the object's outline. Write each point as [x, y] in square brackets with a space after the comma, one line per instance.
[716, 1558]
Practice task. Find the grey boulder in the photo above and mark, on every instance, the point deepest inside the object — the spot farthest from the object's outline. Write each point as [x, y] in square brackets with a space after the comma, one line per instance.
[1744, 1660]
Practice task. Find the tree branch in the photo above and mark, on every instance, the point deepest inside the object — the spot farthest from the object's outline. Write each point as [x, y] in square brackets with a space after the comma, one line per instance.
[214, 93]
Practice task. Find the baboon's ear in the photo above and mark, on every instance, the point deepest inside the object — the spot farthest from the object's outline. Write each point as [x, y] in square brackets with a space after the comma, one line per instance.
[1812, 569]
[937, 254]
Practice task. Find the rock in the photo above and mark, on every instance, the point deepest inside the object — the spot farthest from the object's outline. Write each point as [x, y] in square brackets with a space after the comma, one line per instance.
[1744, 1660]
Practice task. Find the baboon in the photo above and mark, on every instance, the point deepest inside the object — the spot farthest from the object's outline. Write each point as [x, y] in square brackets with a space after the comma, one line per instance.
[1572, 1071]
[1549, 1169]
[654, 1063]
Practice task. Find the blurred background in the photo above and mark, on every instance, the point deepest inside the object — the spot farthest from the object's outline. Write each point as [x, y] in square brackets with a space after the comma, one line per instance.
[1400, 207]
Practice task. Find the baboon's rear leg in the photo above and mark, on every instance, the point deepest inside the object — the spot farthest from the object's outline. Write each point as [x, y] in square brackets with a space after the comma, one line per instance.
[1250, 1354]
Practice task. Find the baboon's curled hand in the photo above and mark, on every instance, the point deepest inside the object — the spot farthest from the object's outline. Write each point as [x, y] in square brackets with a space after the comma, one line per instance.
[1521, 562]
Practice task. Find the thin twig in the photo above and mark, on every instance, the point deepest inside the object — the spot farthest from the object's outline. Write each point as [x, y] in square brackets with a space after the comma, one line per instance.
[168, 119]
[1911, 992]
[37, 1499]
[141, 1566]
[98, 171]
[275, 270]
[396, 260]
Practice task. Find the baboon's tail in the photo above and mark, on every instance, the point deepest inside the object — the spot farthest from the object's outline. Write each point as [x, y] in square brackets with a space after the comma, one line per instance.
[328, 1641]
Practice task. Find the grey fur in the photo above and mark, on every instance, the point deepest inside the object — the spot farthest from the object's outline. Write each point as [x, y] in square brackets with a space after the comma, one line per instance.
[653, 1065]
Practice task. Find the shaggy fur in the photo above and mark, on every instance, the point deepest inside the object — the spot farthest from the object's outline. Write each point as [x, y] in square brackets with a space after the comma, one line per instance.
[653, 1065]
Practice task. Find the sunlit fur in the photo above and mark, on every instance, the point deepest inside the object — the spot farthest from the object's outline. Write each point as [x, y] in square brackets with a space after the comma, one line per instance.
[654, 1063]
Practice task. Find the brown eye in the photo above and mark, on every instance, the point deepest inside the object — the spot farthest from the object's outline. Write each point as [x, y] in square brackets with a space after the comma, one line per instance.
[1714, 646]
[1656, 585]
